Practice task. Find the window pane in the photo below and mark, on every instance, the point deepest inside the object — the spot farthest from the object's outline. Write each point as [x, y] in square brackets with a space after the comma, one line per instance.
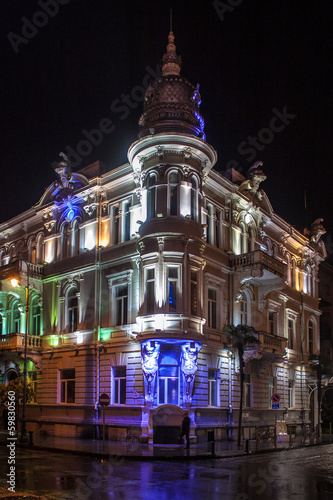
[63, 392]
[161, 386]
[119, 371]
[173, 391]
[71, 391]
[123, 391]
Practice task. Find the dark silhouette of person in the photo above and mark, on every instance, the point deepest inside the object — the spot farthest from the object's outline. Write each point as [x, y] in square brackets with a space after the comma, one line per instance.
[185, 431]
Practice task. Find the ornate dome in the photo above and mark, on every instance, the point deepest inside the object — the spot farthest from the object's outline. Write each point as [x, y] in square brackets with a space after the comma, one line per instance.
[171, 102]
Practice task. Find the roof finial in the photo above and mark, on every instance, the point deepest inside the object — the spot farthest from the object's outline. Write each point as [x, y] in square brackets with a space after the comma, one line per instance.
[171, 63]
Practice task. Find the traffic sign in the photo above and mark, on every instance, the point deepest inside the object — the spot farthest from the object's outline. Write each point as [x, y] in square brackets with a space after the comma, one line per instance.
[104, 399]
[275, 406]
[275, 398]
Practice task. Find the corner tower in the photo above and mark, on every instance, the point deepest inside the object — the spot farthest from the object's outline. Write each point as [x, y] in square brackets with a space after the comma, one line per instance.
[171, 160]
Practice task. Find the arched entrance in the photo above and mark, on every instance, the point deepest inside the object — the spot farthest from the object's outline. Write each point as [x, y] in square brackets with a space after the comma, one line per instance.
[167, 420]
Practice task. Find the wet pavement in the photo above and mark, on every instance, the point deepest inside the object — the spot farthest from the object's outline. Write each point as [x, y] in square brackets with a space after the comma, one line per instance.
[304, 474]
[134, 450]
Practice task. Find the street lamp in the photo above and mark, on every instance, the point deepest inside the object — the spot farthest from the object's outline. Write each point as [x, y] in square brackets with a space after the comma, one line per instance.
[15, 281]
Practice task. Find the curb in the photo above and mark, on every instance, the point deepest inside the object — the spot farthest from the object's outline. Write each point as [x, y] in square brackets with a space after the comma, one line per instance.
[164, 458]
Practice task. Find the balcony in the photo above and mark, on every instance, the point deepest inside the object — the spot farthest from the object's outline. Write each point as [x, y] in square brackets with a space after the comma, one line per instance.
[258, 261]
[15, 342]
[272, 343]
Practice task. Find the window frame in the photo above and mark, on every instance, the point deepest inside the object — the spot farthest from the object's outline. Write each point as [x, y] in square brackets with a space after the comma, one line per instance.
[118, 385]
[213, 381]
[166, 385]
[65, 381]
[115, 281]
[247, 391]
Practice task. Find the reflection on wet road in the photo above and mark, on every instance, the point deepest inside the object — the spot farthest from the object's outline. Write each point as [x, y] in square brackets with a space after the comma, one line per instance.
[304, 474]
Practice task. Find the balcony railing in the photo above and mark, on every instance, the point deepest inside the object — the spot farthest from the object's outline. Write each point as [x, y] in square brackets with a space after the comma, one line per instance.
[261, 260]
[16, 341]
[270, 341]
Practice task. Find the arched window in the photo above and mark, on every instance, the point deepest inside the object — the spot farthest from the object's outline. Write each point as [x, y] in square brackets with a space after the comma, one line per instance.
[243, 308]
[72, 310]
[288, 269]
[269, 247]
[194, 199]
[35, 319]
[173, 186]
[32, 251]
[293, 274]
[275, 250]
[76, 238]
[151, 196]
[16, 317]
[250, 240]
[311, 336]
[65, 241]
[40, 249]
[243, 237]
[308, 271]
[19, 249]
[209, 229]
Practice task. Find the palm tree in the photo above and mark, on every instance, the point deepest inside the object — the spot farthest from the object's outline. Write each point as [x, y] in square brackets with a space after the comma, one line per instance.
[245, 339]
[322, 366]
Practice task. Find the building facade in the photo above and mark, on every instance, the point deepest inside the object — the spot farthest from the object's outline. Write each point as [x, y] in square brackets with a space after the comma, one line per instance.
[132, 276]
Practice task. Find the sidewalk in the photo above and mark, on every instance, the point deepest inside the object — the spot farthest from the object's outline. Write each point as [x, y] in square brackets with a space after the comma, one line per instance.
[132, 449]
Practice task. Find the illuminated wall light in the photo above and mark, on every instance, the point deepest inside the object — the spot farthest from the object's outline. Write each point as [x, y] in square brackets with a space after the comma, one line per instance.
[79, 337]
[90, 238]
[159, 321]
[55, 340]
[105, 335]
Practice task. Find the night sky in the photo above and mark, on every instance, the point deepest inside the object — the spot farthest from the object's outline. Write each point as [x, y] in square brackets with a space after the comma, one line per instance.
[253, 59]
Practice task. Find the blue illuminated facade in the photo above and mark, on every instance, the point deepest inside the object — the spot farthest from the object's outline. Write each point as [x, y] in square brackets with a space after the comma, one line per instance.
[133, 275]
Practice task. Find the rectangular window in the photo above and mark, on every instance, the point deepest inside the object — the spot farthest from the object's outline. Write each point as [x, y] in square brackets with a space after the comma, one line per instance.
[36, 319]
[243, 310]
[150, 291]
[213, 376]
[172, 288]
[218, 228]
[115, 228]
[272, 317]
[121, 304]
[127, 219]
[212, 303]
[311, 339]
[119, 385]
[33, 383]
[290, 394]
[247, 391]
[168, 385]
[194, 293]
[291, 333]
[67, 386]
[72, 312]
[271, 390]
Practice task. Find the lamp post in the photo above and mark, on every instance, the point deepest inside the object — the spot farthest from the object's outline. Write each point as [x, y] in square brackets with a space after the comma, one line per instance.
[15, 282]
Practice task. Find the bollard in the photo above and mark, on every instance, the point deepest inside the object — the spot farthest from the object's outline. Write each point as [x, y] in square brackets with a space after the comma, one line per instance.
[31, 438]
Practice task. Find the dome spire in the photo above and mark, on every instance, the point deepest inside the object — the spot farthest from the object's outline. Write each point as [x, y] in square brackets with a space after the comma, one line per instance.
[171, 63]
